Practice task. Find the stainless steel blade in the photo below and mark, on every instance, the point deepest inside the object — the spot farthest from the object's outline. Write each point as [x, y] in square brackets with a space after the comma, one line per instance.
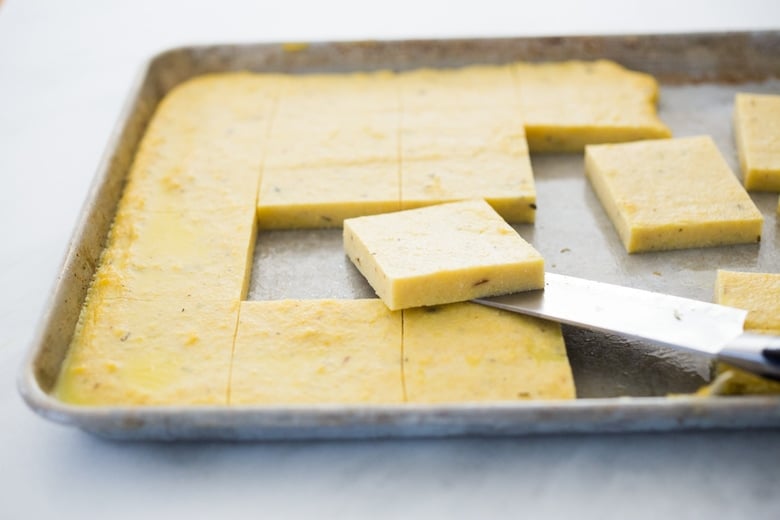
[670, 320]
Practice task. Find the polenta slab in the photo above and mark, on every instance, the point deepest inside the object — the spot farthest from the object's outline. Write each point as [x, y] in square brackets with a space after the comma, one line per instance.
[159, 318]
[757, 293]
[757, 132]
[671, 194]
[190, 253]
[204, 146]
[454, 133]
[312, 197]
[337, 119]
[504, 181]
[441, 254]
[165, 351]
[567, 105]
[465, 352]
[449, 155]
[317, 351]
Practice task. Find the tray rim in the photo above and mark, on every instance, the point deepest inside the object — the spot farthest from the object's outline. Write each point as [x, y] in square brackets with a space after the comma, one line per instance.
[90, 418]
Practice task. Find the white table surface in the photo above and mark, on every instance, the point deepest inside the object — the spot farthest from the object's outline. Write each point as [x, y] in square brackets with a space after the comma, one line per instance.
[65, 68]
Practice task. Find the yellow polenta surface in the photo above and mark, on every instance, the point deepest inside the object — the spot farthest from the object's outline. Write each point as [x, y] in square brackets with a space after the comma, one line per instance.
[204, 146]
[158, 322]
[461, 138]
[191, 253]
[323, 196]
[757, 132]
[317, 351]
[478, 86]
[479, 151]
[504, 181]
[440, 254]
[165, 351]
[671, 194]
[160, 318]
[452, 135]
[332, 151]
[567, 105]
[759, 294]
[467, 352]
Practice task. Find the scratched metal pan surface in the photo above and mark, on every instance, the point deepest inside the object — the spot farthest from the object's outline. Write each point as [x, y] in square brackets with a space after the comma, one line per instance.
[622, 385]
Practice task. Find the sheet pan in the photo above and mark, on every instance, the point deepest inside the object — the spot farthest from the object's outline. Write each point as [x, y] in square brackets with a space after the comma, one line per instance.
[622, 385]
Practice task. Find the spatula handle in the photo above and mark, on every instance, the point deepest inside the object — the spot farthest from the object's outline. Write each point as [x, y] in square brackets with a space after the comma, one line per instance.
[757, 353]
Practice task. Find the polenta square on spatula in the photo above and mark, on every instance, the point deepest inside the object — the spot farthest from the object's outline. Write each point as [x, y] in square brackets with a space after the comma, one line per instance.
[441, 254]
[671, 194]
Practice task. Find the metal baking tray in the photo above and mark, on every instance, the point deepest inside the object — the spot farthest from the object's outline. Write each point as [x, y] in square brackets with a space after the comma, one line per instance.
[622, 385]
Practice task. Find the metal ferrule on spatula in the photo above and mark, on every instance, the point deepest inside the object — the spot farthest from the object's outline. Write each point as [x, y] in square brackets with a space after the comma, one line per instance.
[680, 323]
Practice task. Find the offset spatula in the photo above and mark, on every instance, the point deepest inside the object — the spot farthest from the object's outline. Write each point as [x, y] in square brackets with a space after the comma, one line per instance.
[682, 323]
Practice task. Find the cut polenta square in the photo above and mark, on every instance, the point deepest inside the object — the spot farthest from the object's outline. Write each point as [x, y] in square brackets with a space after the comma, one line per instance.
[336, 119]
[441, 254]
[449, 155]
[671, 194]
[203, 147]
[182, 254]
[757, 293]
[505, 181]
[449, 357]
[568, 105]
[757, 132]
[159, 352]
[317, 351]
[312, 197]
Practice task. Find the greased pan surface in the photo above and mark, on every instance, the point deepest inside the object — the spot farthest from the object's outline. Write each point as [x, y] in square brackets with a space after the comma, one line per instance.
[622, 385]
